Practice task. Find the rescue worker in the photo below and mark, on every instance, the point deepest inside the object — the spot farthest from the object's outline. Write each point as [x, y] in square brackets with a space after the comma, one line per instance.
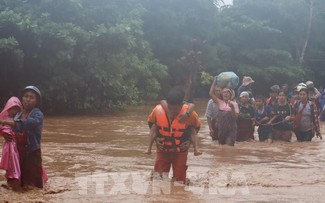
[174, 136]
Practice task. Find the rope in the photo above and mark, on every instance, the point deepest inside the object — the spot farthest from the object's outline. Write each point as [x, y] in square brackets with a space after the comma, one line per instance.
[282, 121]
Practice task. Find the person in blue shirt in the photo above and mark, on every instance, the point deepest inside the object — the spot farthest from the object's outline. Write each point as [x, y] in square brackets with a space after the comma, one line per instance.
[262, 116]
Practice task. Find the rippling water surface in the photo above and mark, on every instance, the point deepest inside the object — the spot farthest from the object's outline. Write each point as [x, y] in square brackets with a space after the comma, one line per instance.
[100, 159]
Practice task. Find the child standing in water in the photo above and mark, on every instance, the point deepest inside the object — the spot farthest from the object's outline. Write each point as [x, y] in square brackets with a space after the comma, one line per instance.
[262, 116]
[10, 155]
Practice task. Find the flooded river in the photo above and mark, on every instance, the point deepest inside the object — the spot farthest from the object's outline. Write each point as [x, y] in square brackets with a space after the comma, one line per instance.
[100, 159]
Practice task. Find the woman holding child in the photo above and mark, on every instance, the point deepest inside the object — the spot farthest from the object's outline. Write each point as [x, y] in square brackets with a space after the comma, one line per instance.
[28, 128]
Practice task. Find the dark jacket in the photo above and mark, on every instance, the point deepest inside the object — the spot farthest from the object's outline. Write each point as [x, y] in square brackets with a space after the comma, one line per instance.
[33, 125]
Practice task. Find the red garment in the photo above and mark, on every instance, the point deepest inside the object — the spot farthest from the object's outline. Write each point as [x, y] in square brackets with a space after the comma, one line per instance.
[177, 160]
[270, 101]
[32, 171]
[293, 101]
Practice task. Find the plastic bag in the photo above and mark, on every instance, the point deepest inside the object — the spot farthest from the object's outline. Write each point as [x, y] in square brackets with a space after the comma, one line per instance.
[227, 79]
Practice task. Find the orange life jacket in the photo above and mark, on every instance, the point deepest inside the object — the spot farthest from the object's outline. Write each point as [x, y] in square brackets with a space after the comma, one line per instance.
[171, 135]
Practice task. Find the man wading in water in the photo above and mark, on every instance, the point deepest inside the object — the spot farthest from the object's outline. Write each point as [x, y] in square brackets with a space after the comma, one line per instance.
[173, 136]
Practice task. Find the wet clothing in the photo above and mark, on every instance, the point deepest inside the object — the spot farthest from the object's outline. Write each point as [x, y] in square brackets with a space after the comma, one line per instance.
[211, 110]
[29, 133]
[282, 111]
[314, 95]
[264, 131]
[211, 113]
[10, 158]
[10, 155]
[322, 115]
[167, 128]
[171, 134]
[227, 126]
[33, 124]
[245, 129]
[281, 128]
[176, 158]
[304, 135]
[322, 100]
[309, 123]
[224, 106]
[178, 162]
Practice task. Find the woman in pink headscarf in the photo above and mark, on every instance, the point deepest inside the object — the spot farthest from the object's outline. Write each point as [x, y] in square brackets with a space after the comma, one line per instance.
[10, 155]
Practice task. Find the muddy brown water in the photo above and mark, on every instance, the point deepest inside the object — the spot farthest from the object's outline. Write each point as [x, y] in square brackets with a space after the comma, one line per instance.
[100, 159]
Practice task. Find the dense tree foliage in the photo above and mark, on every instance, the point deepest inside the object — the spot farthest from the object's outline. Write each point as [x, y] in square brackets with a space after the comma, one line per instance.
[84, 55]
[97, 55]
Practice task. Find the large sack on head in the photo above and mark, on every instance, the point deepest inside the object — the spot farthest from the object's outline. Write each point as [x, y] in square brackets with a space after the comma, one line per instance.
[227, 79]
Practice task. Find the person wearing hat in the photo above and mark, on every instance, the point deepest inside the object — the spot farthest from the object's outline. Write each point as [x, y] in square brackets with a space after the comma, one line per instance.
[246, 86]
[313, 94]
[295, 97]
[28, 126]
[245, 129]
[306, 123]
[273, 92]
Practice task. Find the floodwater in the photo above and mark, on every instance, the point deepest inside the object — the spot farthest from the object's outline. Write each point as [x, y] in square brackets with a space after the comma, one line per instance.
[100, 159]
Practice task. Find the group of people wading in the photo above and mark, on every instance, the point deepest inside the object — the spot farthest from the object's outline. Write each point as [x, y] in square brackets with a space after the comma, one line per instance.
[174, 124]
[276, 117]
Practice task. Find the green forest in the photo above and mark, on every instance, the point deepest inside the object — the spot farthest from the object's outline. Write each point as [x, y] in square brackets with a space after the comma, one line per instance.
[100, 55]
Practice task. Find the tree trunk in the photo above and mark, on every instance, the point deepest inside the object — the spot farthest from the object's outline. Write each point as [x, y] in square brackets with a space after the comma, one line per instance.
[310, 20]
[190, 85]
[191, 65]
[188, 88]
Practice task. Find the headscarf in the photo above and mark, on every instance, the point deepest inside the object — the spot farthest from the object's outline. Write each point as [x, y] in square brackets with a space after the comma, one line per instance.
[308, 83]
[244, 93]
[301, 86]
[12, 102]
